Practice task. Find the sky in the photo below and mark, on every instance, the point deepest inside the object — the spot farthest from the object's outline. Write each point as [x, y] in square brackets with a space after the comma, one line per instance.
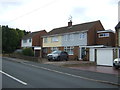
[36, 15]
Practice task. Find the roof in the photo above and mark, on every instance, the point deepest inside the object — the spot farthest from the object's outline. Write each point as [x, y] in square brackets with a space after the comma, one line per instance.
[73, 28]
[117, 26]
[105, 31]
[30, 35]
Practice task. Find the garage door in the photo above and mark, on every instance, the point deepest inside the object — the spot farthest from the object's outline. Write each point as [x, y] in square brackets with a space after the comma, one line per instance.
[105, 57]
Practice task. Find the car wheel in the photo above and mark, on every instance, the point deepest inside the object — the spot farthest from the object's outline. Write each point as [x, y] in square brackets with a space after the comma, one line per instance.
[67, 59]
[58, 59]
[49, 59]
[116, 67]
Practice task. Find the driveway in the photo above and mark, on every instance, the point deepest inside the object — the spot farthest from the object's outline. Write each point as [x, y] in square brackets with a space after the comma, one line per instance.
[86, 65]
[101, 69]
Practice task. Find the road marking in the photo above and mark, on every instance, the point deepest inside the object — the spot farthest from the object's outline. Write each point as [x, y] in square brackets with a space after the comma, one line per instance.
[13, 78]
[101, 81]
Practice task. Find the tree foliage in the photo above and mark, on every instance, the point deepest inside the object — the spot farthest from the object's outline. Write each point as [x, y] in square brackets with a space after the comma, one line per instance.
[11, 39]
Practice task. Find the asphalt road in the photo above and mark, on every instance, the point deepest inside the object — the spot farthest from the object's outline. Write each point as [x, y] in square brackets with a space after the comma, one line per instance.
[34, 75]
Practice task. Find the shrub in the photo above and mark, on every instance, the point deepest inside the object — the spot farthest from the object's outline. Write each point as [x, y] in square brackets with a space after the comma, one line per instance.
[28, 52]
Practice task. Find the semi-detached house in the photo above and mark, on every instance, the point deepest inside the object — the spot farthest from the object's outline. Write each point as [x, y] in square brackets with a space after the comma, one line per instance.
[34, 40]
[75, 39]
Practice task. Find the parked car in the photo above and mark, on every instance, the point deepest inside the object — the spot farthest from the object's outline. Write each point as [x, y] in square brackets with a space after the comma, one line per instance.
[58, 55]
[116, 63]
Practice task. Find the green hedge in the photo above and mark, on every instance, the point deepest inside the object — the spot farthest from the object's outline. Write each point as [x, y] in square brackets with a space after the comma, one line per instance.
[28, 52]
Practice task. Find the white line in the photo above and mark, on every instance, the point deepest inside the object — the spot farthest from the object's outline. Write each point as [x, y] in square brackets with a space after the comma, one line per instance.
[13, 78]
[108, 82]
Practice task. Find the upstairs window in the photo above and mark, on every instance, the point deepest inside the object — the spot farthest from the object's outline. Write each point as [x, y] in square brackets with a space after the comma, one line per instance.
[54, 39]
[82, 35]
[25, 41]
[103, 35]
[45, 40]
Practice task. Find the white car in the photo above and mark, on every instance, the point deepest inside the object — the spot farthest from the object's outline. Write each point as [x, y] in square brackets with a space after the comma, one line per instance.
[58, 55]
[116, 63]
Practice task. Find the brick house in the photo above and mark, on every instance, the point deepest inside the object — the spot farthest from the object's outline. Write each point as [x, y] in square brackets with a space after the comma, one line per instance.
[34, 40]
[117, 28]
[75, 39]
[106, 38]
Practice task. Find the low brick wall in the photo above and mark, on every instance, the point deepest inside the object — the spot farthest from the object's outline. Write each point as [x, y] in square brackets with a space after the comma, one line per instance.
[29, 58]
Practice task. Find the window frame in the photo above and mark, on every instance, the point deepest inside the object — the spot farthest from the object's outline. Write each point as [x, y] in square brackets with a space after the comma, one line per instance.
[45, 40]
[101, 35]
[54, 49]
[54, 39]
[69, 50]
[82, 35]
[25, 41]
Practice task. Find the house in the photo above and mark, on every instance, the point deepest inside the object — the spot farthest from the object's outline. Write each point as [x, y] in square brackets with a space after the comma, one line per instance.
[106, 38]
[75, 39]
[117, 28]
[34, 40]
[118, 11]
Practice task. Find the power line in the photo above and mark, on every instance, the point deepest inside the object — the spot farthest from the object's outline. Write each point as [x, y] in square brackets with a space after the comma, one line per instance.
[46, 5]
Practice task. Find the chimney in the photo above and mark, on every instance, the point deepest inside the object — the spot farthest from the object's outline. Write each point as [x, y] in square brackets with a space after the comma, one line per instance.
[70, 23]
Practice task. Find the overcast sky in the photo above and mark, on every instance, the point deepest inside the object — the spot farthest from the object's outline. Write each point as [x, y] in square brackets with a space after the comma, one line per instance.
[35, 15]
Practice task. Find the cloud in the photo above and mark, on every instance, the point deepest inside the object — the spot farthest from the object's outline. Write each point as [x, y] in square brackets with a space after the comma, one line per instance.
[48, 14]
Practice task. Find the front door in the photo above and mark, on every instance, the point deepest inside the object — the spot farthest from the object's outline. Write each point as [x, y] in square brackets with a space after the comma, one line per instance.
[82, 53]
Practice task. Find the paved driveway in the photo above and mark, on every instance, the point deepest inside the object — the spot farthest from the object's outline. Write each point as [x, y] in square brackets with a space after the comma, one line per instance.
[102, 69]
[85, 65]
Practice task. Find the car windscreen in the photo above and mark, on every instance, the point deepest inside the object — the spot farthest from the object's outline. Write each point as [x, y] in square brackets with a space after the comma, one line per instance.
[56, 52]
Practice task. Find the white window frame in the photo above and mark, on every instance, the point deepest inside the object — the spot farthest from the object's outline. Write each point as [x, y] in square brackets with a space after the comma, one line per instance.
[25, 41]
[54, 49]
[45, 40]
[69, 50]
[82, 35]
[104, 35]
[54, 39]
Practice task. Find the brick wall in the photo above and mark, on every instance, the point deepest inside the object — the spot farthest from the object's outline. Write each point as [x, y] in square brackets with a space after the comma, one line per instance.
[37, 39]
[107, 41]
[92, 33]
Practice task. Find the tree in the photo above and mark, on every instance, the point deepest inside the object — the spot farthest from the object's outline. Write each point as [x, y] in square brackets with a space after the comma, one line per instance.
[11, 39]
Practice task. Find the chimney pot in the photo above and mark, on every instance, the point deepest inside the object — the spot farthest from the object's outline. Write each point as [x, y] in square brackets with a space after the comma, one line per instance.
[70, 23]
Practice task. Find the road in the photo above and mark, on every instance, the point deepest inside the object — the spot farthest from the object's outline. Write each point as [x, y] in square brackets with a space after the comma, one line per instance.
[34, 75]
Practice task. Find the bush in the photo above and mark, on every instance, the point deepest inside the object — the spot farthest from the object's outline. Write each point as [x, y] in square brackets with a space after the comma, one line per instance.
[28, 52]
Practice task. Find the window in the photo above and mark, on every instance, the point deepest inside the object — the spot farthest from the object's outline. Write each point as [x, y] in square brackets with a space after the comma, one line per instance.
[54, 39]
[45, 40]
[82, 35]
[54, 49]
[103, 35]
[69, 50]
[29, 40]
[25, 41]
